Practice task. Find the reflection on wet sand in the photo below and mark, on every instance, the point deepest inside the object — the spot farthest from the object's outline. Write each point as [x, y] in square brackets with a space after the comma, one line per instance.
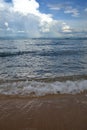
[54, 112]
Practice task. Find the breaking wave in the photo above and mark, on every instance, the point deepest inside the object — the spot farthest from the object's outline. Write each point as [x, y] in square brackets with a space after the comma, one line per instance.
[39, 88]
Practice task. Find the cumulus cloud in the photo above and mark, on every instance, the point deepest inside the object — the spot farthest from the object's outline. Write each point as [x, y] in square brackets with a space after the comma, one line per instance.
[66, 28]
[25, 6]
[1, 6]
[23, 18]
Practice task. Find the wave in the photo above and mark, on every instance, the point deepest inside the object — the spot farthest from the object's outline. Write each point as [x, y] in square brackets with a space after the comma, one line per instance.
[47, 79]
[44, 87]
[9, 54]
[42, 53]
[61, 53]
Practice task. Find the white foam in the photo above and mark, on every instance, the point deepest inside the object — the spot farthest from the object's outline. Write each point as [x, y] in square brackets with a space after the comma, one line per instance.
[43, 88]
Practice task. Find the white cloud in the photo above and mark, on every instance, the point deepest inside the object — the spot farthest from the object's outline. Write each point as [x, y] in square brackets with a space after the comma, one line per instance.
[54, 7]
[4, 6]
[25, 6]
[44, 27]
[6, 24]
[85, 9]
[1, 6]
[66, 28]
[30, 7]
[24, 18]
[66, 7]
[74, 12]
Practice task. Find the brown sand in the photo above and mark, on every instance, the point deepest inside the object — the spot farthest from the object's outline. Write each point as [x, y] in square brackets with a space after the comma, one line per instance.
[61, 112]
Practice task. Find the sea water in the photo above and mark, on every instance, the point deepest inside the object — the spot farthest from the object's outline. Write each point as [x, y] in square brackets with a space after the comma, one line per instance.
[43, 66]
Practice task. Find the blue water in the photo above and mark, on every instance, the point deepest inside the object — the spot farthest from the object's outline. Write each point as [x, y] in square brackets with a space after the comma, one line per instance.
[43, 66]
[24, 58]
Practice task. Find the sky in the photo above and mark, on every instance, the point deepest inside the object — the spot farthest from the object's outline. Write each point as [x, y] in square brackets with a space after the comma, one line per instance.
[43, 18]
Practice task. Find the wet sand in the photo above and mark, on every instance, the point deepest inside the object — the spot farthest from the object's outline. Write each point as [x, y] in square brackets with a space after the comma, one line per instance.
[53, 112]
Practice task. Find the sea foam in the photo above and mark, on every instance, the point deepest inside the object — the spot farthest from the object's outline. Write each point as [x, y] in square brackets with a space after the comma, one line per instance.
[34, 88]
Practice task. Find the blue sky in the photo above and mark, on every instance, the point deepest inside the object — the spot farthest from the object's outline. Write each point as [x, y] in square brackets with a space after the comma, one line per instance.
[43, 18]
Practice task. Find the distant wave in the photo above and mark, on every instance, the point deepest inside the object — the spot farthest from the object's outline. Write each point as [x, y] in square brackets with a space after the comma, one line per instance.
[42, 53]
[62, 52]
[9, 54]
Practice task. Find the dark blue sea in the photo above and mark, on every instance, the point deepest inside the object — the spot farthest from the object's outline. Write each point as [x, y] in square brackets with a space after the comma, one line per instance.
[43, 66]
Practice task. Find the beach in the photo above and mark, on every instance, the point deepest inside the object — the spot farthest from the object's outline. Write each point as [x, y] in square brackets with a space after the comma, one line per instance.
[43, 84]
[51, 112]
[43, 65]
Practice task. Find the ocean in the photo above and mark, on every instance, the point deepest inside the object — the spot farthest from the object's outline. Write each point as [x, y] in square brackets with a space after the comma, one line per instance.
[40, 66]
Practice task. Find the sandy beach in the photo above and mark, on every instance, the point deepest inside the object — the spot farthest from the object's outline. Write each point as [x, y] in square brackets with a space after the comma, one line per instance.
[52, 112]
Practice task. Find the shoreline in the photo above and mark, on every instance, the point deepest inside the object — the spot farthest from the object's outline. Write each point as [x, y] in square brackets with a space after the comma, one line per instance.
[58, 112]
